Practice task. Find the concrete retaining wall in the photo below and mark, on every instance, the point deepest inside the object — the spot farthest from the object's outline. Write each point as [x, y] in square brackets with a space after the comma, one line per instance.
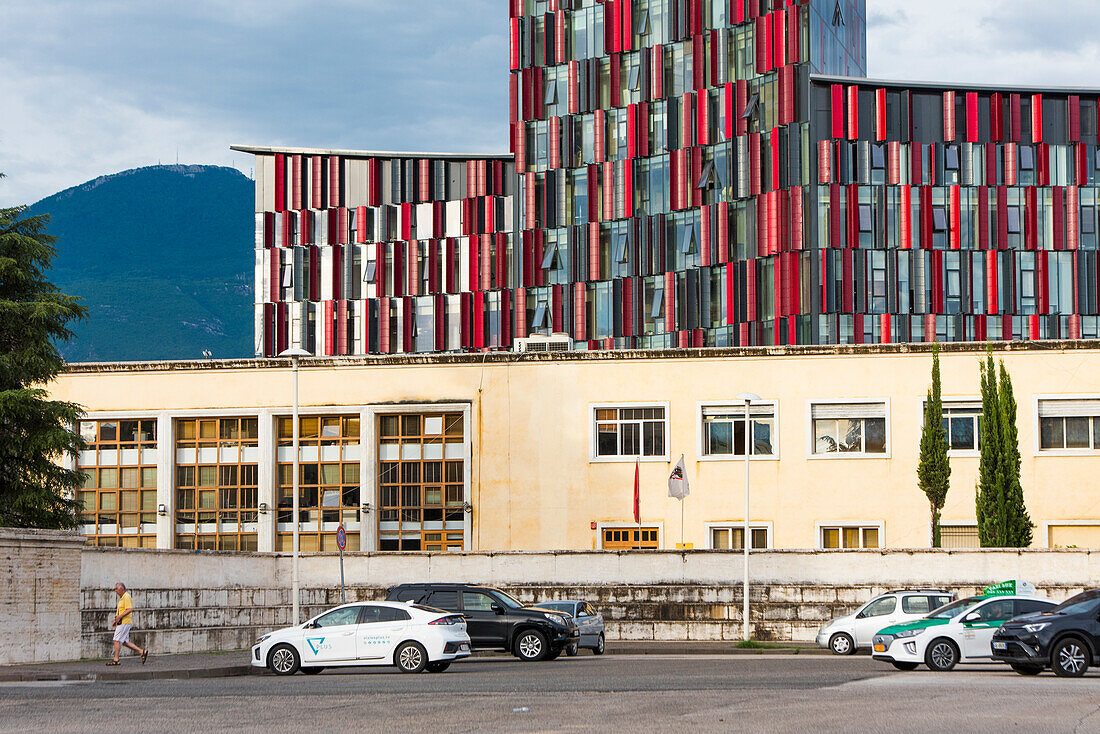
[209, 601]
[39, 595]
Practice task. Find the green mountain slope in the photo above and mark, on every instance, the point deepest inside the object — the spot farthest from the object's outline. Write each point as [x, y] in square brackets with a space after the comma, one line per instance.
[163, 258]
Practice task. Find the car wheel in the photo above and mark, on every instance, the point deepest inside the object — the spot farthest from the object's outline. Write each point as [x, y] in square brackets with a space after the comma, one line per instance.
[842, 644]
[530, 645]
[599, 648]
[312, 670]
[410, 657]
[572, 649]
[1070, 658]
[1027, 669]
[942, 655]
[904, 665]
[283, 660]
[554, 654]
[438, 667]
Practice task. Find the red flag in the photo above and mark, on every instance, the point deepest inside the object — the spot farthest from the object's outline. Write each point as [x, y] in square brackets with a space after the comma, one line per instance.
[637, 508]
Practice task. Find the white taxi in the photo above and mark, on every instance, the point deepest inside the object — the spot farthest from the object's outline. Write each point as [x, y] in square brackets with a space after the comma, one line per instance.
[410, 636]
[960, 632]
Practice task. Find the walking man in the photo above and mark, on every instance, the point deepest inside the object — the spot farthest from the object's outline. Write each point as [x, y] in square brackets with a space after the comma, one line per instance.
[122, 622]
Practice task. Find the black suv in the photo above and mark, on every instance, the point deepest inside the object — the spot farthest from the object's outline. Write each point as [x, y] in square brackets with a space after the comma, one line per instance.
[494, 620]
[1065, 638]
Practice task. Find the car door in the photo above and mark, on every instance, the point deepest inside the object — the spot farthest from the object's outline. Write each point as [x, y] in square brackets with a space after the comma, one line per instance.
[874, 616]
[381, 628]
[588, 623]
[484, 624]
[331, 637]
[977, 626]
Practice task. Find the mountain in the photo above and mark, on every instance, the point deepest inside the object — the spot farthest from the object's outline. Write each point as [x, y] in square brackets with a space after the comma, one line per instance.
[163, 258]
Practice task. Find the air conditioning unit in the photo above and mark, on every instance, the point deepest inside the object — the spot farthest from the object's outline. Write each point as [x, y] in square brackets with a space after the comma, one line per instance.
[543, 343]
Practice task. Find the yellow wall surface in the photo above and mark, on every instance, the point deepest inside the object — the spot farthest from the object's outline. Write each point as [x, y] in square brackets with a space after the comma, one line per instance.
[534, 485]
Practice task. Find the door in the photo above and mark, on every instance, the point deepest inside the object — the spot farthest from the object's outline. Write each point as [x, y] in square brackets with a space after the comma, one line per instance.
[331, 637]
[588, 623]
[979, 624]
[877, 614]
[381, 628]
[486, 627]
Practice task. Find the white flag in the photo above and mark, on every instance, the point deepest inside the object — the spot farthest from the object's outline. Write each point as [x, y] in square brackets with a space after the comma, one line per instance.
[678, 481]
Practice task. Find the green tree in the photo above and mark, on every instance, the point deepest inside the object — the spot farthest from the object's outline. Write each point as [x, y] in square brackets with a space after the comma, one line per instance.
[988, 495]
[933, 469]
[1014, 520]
[35, 432]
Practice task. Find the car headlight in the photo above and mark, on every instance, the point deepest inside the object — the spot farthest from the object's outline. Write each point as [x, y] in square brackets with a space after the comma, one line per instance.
[907, 633]
[257, 642]
[1033, 628]
[559, 618]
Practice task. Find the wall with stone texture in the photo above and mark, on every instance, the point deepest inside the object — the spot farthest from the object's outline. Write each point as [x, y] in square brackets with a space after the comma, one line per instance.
[194, 602]
[39, 595]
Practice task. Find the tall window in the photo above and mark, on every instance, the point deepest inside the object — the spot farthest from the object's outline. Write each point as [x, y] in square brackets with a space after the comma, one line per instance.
[962, 421]
[118, 496]
[421, 481]
[851, 537]
[630, 432]
[724, 430]
[1069, 424]
[328, 482]
[216, 483]
[849, 428]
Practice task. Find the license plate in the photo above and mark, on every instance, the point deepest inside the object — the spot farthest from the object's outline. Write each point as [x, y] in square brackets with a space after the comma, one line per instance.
[1000, 645]
[879, 647]
[464, 647]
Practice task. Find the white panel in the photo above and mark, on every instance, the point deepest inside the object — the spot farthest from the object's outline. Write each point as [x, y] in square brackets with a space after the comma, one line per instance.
[424, 218]
[185, 456]
[130, 457]
[285, 454]
[351, 453]
[454, 323]
[389, 452]
[738, 411]
[268, 168]
[433, 451]
[208, 455]
[330, 453]
[507, 226]
[464, 263]
[250, 454]
[87, 458]
[454, 451]
[454, 219]
[326, 276]
[849, 410]
[260, 163]
[309, 453]
[107, 457]
[259, 330]
[229, 454]
[1070, 408]
[149, 456]
[433, 425]
[263, 276]
[410, 452]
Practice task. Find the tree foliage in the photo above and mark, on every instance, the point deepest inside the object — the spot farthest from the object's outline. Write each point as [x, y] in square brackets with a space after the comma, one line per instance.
[35, 432]
[1015, 521]
[989, 465]
[933, 468]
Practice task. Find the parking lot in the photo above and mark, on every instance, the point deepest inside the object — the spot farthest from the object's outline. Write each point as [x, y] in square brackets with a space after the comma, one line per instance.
[768, 692]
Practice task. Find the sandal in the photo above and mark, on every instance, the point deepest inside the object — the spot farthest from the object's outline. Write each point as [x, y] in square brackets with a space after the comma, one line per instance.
[113, 662]
[144, 654]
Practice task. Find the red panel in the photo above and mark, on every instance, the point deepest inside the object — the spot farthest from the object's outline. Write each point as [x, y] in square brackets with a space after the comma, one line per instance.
[704, 236]
[787, 85]
[559, 36]
[949, 116]
[555, 308]
[317, 176]
[824, 161]
[1036, 118]
[723, 231]
[742, 101]
[274, 275]
[779, 39]
[773, 140]
[412, 249]
[580, 311]
[608, 179]
[338, 272]
[699, 67]
[314, 273]
[956, 217]
[731, 274]
[1010, 164]
[853, 112]
[686, 140]
[616, 85]
[520, 314]
[477, 319]
[906, 218]
[631, 131]
[880, 114]
[983, 217]
[594, 251]
[574, 104]
[1074, 122]
[702, 121]
[450, 254]
[329, 312]
[1014, 117]
[626, 27]
[972, 117]
[513, 42]
[1059, 217]
[670, 302]
[295, 182]
[374, 171]
[796, 218]
[916, 168]
[1072, 217]
[763, 52]
[335, 189]
[628, 307]
[893, 162]
[627, 168]
[599, 131]
[280, 182]
[407, 324]
[996, 124]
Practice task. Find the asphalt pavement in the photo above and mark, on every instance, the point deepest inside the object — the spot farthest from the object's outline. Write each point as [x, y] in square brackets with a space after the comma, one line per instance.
[768, 692]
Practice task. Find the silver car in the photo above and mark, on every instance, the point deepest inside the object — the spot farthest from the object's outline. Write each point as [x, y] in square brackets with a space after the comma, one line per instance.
[589, 621]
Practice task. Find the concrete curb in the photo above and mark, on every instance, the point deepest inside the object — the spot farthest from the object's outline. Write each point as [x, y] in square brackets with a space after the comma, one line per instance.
[228, 671]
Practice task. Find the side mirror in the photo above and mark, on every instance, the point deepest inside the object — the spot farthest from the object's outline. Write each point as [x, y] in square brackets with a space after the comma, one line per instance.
[498, 609]
[582, 613]
[972, 617]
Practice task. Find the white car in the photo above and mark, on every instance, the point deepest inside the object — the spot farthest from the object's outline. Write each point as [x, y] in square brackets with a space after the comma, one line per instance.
[844, 635]
[960, 632]
[410, 636]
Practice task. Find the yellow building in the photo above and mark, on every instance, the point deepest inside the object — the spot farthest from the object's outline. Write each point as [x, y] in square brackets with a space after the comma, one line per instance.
[537, 451]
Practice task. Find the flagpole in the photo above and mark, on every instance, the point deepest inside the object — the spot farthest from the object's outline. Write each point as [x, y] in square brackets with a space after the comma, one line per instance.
[681, 523]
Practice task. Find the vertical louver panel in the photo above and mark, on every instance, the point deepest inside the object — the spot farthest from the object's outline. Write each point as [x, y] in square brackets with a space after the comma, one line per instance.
[949, 116]
[280, 182]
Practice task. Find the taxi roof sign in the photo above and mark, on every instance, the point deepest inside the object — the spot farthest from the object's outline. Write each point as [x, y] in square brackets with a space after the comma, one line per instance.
[1014, 587]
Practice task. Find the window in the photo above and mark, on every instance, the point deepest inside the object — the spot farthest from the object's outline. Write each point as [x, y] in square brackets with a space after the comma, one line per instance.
[959, 536]
[371, 614]
[951, 158]
[849, 428]
[851, 537]
[338, 617]
[1013, 213]
[1069, 424]
[627, 538]
[939, 218]
[118, 495]
[445, 600]
[916, 604]
[421, 481]
[879, 607]
[724, 430]
[630, 432]
[216, 483]
[732, 537]
[473, 601]
[962, 421]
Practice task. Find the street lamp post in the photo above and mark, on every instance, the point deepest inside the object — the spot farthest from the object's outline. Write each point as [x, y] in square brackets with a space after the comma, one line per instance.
[746, 536]
[294, 354]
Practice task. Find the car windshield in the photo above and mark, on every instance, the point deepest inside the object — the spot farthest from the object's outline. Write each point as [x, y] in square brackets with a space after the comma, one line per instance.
[506, 599]
[955, 608]
[1083, 603]
[560, 606]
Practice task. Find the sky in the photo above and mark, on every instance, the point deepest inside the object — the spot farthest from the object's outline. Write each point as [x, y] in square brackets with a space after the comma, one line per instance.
[92, 87]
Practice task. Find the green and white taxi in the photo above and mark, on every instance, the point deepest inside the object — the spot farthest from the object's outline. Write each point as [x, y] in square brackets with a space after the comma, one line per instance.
[959, 632]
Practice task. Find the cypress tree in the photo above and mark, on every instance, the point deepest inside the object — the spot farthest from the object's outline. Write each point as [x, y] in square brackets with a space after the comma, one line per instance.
[1014, 520]
[933, 469]
[989, 490]
[35, 432]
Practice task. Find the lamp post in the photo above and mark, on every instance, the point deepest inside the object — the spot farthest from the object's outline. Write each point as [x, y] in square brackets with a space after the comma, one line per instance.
[746, 537]
[294, 354]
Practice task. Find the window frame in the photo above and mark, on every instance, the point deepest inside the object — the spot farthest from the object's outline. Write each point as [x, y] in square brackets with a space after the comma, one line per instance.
[593, 458]
[1036, 426]
[660, 525]
[767, 527]
[735, 407]
[952, 524]
[1047, 524]
[820, 526]
[955, 401]
[861, 455]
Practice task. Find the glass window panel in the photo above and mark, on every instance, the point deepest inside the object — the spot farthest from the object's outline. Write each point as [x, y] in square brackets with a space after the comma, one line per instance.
[108, 477]
[130, 477]
[870, 538]
[825, 436]
[1077, 433]
[875, 439]
[1051, 433]
[762, 437]
[962, 433]
[208, 429]
[830, 537]
[719, 437]
[851, 431]
[851, 537]
[208, 476]
[108, 431]
[149, 476]
[330, 474]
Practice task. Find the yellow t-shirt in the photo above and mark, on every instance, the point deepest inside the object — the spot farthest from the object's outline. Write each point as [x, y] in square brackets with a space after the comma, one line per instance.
[125, 608]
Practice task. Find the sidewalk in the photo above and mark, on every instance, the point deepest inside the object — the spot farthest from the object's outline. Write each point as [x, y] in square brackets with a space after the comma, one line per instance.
[233, 663]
